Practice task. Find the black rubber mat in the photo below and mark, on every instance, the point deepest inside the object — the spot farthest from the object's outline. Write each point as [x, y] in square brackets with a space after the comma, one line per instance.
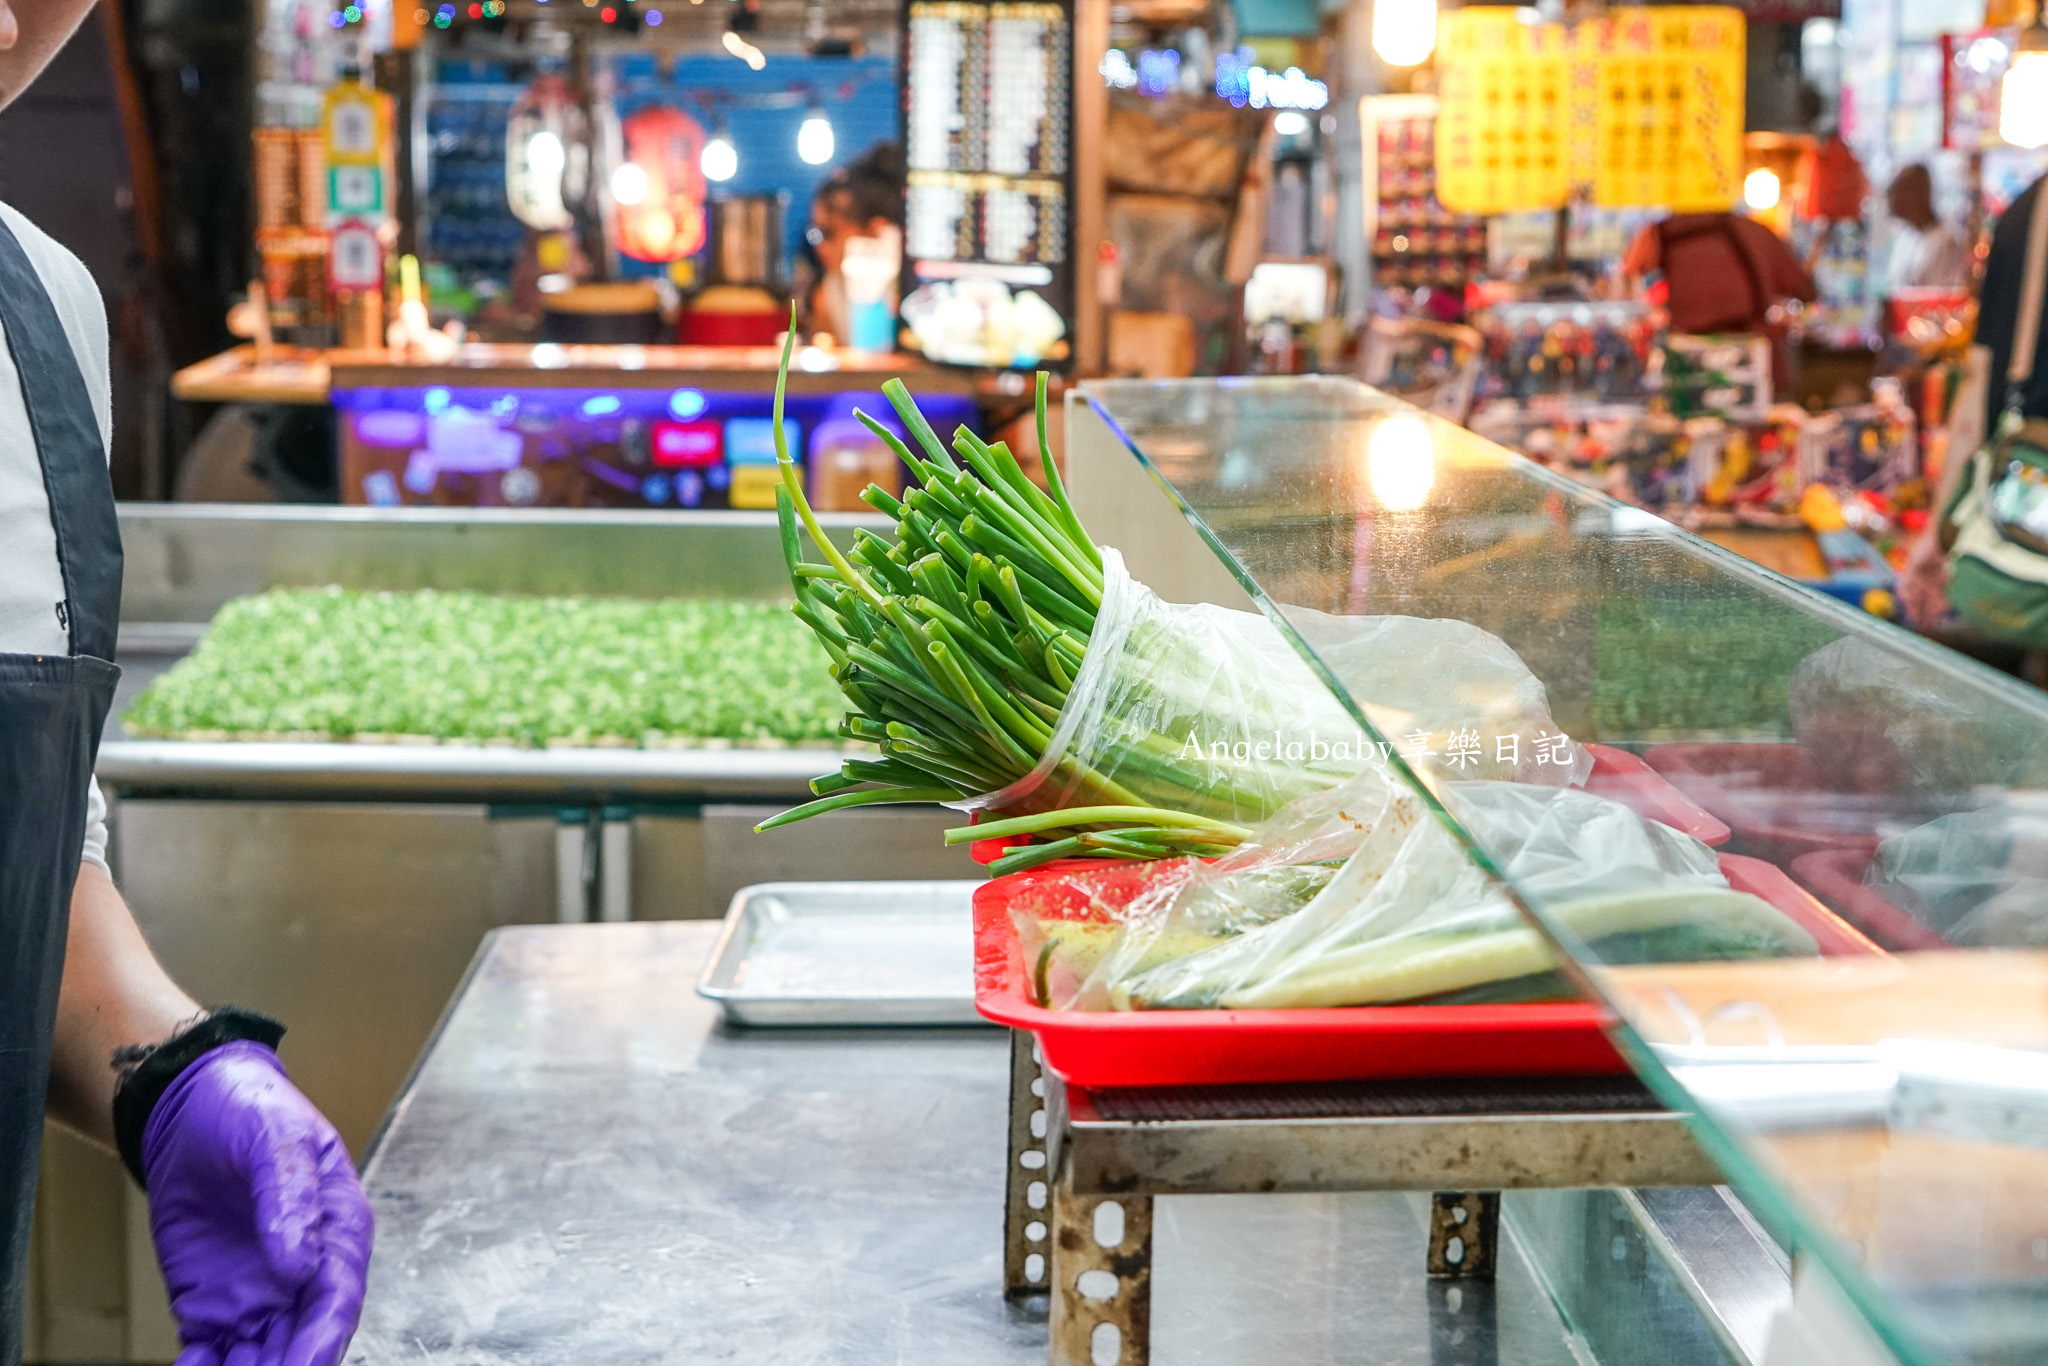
[1379, 1099]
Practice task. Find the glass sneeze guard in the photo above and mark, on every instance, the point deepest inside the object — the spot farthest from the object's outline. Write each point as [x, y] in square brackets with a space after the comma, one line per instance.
[1880, 1097]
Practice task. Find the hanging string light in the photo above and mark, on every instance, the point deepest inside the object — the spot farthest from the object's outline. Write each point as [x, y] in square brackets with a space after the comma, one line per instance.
[721, 161]
[814, 140]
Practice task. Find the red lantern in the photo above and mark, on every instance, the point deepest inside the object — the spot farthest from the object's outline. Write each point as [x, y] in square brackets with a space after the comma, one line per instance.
[665, 220]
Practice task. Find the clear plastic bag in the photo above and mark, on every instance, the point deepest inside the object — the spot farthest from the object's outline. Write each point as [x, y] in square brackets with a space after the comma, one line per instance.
[1978, 878]
[1208, 710]
[1872, 720]
[1359, 896]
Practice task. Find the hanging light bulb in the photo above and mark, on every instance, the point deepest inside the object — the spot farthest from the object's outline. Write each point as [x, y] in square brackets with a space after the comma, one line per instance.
[1404, 31]
[720, 161]
[629, 183]
[2023, 97]
[814, 140]
[1761, 189]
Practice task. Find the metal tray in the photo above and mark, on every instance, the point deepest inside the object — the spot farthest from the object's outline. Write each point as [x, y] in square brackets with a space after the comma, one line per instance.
[846, 953]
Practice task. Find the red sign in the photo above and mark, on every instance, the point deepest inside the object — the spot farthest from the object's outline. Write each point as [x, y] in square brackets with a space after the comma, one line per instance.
[355, 258]
[685, 445]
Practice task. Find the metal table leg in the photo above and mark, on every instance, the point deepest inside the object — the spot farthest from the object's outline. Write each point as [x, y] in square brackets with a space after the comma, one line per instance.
[1026, 1198]
[1463, 1329]
[1101, 1310]
[1464, 1228]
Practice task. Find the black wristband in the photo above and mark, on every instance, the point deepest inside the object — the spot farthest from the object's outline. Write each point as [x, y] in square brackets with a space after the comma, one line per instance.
[146, 1074]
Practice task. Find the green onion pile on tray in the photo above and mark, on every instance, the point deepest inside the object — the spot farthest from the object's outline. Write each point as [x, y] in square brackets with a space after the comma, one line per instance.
[335, 664]
[962, 643]
[956, 645]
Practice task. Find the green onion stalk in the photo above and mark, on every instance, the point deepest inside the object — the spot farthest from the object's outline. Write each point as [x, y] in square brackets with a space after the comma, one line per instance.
[956, 644]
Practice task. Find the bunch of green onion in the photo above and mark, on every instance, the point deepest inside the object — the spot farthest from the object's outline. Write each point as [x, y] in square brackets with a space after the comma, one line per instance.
[956, 646]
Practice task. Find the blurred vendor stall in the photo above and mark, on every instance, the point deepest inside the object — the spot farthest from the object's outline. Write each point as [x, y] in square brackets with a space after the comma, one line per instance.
[1578, 251]
[543, 256]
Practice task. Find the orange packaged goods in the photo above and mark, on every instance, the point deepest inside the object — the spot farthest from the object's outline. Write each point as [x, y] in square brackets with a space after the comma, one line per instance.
[277, 178]
[312, 173]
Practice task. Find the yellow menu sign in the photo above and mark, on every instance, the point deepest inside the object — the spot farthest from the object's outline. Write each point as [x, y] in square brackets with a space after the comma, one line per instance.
[1641, 108]
[1504, 95]
[1671, 95]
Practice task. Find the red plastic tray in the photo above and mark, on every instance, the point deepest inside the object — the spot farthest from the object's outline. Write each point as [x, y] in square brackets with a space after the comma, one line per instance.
[1617, 775]
[1770, 797]
[1836, 937]
[1836, 877]
[1622, 777]
[1226, 1047]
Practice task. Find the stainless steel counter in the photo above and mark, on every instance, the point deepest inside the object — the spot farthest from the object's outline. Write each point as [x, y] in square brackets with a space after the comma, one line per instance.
[587, 1167]
[345, 887]
[477, 773]
[184, 561]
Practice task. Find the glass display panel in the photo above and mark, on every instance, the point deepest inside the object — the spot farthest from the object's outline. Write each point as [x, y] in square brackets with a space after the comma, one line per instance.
[1875, 1082]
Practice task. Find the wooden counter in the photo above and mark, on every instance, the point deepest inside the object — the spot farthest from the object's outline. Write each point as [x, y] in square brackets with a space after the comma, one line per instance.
[288, 375]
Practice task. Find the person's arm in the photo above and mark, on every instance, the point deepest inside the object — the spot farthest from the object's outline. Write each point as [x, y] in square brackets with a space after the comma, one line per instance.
[260, 1225]
[31, 31]
[1644, 254]
[114, 995]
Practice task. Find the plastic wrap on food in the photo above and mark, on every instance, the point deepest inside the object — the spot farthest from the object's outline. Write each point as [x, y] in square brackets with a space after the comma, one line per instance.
[1360, 895]
[1875, 721]
[1977, 878]
[1446, 686]
[1203, 709]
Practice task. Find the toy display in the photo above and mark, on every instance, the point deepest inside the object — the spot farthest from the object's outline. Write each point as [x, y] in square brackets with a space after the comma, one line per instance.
[1871, 446]
[1726, 376]
[1601, 351]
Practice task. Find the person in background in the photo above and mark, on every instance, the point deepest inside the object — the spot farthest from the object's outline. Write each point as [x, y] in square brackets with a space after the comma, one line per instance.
[1925, 255]
[1723, 273]
[861, 199]
[1923, 584]
[260, 1225]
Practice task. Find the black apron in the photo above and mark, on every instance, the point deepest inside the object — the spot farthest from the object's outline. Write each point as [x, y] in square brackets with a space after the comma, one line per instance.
[51, 711]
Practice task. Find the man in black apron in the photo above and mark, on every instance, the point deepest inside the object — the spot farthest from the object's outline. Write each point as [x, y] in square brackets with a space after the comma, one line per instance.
[260, 1224]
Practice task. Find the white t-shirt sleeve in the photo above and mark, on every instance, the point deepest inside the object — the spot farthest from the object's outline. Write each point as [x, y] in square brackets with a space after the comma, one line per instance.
[79, 308]
[30, 580]
[95, 851]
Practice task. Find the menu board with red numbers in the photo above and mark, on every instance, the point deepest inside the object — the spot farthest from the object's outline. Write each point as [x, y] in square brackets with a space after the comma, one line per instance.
[1505, 90]
[987, 271]
[1641, 107]
[1669, 127]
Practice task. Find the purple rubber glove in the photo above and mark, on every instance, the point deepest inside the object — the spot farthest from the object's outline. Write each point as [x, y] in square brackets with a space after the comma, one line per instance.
[260, 1223]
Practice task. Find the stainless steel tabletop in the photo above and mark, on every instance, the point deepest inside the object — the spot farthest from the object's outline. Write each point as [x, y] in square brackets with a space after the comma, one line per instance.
[588, 1167]
[286, 770]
